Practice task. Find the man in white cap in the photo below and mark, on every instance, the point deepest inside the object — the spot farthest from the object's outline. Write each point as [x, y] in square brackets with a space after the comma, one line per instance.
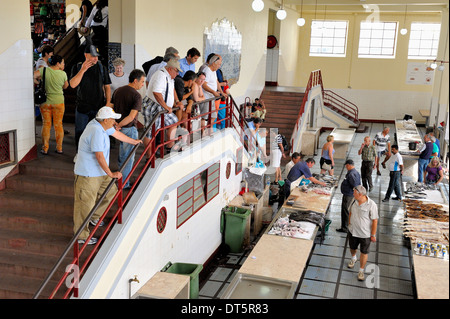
[362, 227]
[92, 173]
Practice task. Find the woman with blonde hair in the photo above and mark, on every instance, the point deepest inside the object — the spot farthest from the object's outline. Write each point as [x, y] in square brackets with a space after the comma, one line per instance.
[326, 159]
[434, 173]
[53, 107]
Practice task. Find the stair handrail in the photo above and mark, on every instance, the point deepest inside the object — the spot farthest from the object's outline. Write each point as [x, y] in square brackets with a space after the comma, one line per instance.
[342, 104]
[315, 79]
[231, 107]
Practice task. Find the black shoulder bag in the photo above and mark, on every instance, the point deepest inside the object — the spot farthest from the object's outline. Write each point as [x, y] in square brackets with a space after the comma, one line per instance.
[40, 96]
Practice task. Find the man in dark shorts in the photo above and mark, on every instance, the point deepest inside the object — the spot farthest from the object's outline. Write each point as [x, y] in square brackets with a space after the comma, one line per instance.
[363, 221]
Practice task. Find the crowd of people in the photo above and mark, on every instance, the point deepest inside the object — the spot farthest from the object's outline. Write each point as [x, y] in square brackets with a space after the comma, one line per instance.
[107, 107]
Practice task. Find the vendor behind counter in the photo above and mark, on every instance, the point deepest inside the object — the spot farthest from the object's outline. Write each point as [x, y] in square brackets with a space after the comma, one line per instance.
[302, 168]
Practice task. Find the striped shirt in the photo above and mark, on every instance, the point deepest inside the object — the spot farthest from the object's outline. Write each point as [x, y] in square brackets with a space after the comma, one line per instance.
[277, 140]
[368, 153]
[381, 141]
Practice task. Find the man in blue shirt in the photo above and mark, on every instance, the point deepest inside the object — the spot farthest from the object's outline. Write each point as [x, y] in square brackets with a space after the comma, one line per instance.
[302, 168]
[352, 179]
[188, 63]
[92, 173]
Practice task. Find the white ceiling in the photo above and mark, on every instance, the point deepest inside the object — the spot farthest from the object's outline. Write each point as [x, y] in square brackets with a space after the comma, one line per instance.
[357, 5]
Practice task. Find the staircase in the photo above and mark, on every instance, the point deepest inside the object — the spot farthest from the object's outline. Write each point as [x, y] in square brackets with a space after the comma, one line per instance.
[282, 107]
[36, 219]
[344, 109]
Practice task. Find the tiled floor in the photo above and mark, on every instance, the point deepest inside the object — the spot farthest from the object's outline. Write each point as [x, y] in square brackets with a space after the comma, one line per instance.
[388, 270]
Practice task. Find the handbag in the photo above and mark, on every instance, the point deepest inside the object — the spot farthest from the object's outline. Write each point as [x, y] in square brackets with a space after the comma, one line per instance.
[40, 96]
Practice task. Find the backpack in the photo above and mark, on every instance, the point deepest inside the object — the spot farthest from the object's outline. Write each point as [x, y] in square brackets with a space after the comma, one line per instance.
[98, 17]
[284, 143]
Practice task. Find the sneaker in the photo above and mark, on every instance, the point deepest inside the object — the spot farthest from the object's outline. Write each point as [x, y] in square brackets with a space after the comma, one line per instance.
[385, 200]
[95, 222]
[383, 164]
[361, 275]
[352, 263]
[92, 241]
[370, 189]
[378, 173]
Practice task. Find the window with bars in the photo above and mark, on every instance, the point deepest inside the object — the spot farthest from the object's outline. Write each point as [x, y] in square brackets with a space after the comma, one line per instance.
[328, 38]
[196, 192]
[377, 39]
[8, 148]
[424, 40]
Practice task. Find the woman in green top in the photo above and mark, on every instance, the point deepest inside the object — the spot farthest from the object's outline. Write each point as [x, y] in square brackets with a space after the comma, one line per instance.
[53, 107]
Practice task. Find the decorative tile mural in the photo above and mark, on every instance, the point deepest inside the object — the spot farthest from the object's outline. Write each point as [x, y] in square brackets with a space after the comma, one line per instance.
[223, 38]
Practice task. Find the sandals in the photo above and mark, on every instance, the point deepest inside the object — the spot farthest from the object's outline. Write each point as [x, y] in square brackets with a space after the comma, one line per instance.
[44, 152]
[59, 152]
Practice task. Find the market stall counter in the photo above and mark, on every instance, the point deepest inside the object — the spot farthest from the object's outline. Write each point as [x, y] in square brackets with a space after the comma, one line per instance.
[426, 225]
[292, 247]
[343, 137]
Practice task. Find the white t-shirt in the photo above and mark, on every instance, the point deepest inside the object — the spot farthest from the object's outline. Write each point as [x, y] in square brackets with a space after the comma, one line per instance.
[118, 81]
[211, 82]
[158, 83]
[382, 141]
[394, 162]
[360, 224]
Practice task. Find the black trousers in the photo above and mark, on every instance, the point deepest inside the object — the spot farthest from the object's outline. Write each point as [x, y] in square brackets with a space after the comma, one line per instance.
[345, 210]
[366, 174]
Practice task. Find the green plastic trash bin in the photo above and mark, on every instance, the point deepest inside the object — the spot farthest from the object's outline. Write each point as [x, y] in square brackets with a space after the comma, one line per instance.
[234, 220]
[192, 270]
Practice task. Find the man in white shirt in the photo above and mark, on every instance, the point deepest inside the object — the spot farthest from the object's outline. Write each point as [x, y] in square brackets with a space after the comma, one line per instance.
[362, 227]
[395, 171]
[161, 91]
[211, 87]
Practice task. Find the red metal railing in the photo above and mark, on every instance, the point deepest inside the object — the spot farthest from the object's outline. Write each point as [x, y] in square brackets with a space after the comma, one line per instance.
[79, 263]
[340, 104]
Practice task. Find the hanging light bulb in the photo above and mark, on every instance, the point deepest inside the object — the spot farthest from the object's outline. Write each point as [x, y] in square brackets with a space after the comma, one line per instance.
[404, 31]
[433, 65]
[257, 5]
[441, 67]
[281, 14]
[301, 22]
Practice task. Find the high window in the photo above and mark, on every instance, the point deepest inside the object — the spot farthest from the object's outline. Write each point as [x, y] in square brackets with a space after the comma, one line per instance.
[424, 40]
[328, 38]
[377, 39]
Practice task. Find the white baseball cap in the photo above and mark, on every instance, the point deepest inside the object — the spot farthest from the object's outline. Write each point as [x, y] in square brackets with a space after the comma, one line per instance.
[107, 112]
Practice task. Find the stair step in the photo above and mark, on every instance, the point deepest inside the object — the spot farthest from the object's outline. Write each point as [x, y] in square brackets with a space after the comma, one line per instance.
[27, 264]
[62, 168]
[39, 202]
[34, 242]
[41, 184]
[50, 222]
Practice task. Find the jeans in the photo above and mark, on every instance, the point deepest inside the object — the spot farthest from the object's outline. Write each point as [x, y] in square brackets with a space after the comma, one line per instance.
[81, 121]
[422, 167]
[125, 150]
[394, 185]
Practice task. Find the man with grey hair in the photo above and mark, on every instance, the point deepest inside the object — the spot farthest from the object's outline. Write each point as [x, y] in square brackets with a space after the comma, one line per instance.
[161, 92]
[159, 66]
[362, 227]
[382, 141]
